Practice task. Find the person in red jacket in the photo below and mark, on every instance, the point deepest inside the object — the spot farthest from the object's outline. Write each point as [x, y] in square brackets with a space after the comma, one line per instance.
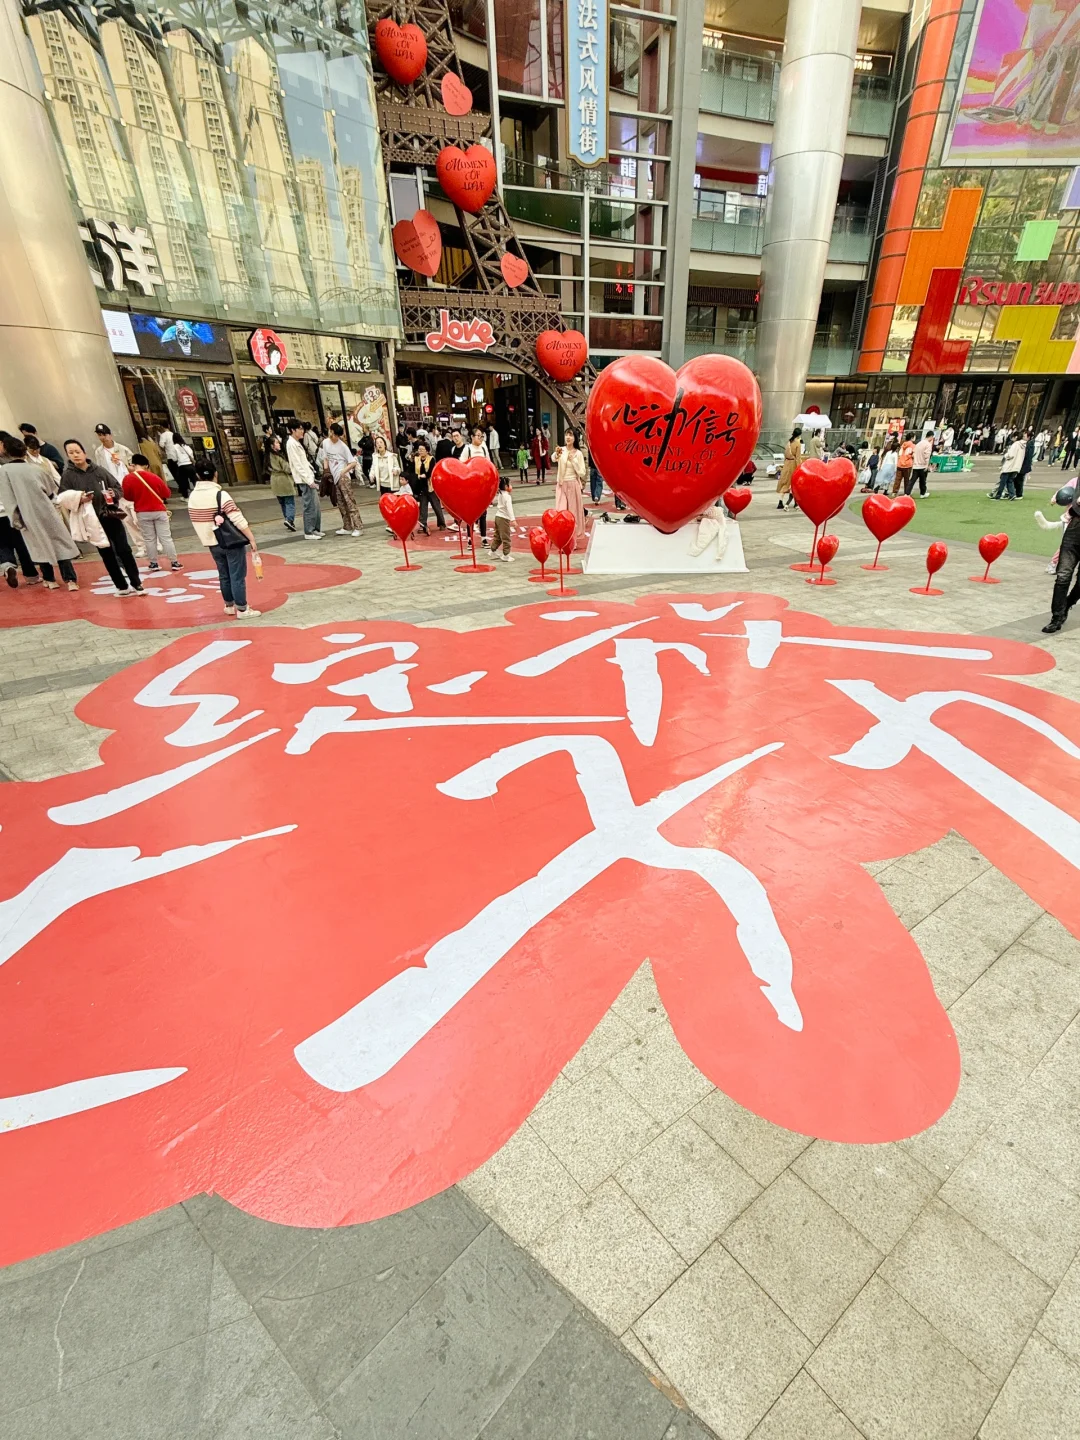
[149, 494]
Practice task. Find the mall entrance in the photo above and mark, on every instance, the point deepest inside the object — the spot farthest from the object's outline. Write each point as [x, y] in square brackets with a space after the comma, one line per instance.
[443, 396]
[209, 407]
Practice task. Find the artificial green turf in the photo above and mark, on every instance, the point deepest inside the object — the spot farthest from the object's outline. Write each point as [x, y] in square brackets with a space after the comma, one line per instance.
[968, 515]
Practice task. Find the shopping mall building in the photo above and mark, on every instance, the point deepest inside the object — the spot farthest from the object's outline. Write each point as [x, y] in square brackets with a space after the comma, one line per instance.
[875, 206]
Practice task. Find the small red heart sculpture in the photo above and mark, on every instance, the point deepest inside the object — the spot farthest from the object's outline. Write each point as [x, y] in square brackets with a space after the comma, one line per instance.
[884, 517]
[737, 497]
[827, 547]
[992, 547]
[562, 527]
[401, 49]
[457, 98]
[466, 176]
[671, 444]
[400, 512]
[418, 242]
[539, 543]
[515, 271]
[936, 556]
[562, 353]
[466, 487]
[821, 488]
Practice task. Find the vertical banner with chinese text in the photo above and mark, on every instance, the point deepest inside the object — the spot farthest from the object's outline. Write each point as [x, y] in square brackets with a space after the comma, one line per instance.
[586, 81]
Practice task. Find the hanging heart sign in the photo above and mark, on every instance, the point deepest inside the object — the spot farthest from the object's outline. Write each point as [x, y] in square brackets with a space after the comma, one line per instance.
[457, 98]
[466, 487]
[821, 488]
[418, 242]
[671, 444]
[515, 271]
[401, 49]
[737, 498]
[884, 517]
[992, 547]
[562, 527]
[562, 353]
[466, 176]
[401, 513]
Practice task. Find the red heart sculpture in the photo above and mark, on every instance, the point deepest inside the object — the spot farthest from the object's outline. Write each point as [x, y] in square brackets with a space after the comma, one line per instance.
[884, 517]
[457, 98]
[671, 444]
[936, 556]
[827, 547]
[992, 547]
[562, 353]
[418, 242]
[737, 498]
[466, 176]
[515, 271]
[821, 488]
[402, 50]
[562, 527]
[400, 512]
[466, 487]
[539, 543]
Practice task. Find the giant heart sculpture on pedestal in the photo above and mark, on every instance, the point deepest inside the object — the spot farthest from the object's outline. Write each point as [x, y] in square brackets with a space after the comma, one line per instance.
[466, 176]
[670, 444]
[401, 49]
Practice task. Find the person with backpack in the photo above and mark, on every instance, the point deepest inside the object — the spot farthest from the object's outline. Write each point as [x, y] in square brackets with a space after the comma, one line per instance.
[219, 523]
[149, 493]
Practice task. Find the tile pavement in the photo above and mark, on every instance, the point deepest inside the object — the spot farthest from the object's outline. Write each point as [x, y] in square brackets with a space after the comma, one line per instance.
[642, 1244]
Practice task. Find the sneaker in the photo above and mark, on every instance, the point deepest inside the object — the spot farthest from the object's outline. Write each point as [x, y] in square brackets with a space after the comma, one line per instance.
[289, 525]
[248, 614]
[153, 565]
[230, 609]
[176, 565]
[51, 585]
[991, 496]
[1051, 569]
[31, 579]
[342, 532]
[73, 585]
[127, 590]
[354, 533]
[11, 575]
[138, 590]
[316, 536]
[509, 559]
[1052, 628]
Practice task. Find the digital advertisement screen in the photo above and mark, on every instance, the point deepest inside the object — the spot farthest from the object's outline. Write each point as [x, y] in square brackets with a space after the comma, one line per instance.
[161, 338]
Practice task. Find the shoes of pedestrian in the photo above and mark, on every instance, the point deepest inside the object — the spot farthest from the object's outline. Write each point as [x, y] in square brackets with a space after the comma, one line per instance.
[127, 590]
[51, 585]
[509, 559]
[248, 614]
[11, 575]
[73, 585]
[1051, 569]
[153, 565]
[354, 533]
[779, 505]
[342, 532]
[316, 536]
[991, 496]
[289, 525]
[1052, 628]
[31, 579]
[176, 565]
[230, 609]
[138, 590]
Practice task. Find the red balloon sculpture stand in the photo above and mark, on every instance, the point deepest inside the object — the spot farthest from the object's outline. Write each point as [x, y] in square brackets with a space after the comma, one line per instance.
[401, 512]
[936, 556]
[561, 529]
[821, 491]
[884, 517]
[473, 568]
[466, 488]
[562, 590]
[991, 548]
[737, 498]
[540, 545]
[826, 549]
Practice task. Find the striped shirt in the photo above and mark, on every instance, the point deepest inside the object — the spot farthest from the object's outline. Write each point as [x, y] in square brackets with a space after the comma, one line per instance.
[203, 505]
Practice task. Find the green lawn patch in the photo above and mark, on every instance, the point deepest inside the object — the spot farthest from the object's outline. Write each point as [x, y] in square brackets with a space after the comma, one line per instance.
[968, 515]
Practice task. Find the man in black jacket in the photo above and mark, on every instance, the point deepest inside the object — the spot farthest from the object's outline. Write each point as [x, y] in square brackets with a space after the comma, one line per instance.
[80, 473]
[418, 474]
[448, 446]
[1068, 564]
[1029, 460]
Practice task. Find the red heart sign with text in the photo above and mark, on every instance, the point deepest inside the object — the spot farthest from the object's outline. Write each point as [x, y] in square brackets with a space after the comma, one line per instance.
[401, 49]
[737, 498]
[562, 353]
[401, 513]
[671, 444]
[466, 487]
[457, 98]
[562, 527]
[884, 517]
[515, 271]
[418, 242]
[992, 547]
[821, 488]
[466, 176]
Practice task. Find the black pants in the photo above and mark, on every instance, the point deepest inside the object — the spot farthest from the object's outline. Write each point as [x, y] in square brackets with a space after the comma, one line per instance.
[1070, 458]
[67, 572]
[185, 479]
[423, 497]
[13, 549]
[117, 557]
[916, 477]
[481, 525]
[1019, 482]
[1067, 566]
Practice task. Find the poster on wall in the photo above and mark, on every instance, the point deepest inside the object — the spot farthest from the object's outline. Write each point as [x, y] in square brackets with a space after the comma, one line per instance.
[1018, 101]
[372, 411]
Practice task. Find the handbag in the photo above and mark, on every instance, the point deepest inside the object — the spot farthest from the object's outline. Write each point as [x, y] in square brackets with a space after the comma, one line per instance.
[226, 533]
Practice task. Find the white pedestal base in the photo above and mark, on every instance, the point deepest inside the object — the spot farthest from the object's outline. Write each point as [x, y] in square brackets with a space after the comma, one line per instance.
[641, 550]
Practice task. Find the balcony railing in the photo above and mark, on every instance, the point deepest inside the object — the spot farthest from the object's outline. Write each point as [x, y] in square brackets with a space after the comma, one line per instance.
[831, 354]
[722, 229]
[746, 86]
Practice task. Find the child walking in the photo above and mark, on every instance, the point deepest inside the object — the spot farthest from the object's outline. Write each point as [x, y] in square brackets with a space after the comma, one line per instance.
[504, 518]
[523, 463]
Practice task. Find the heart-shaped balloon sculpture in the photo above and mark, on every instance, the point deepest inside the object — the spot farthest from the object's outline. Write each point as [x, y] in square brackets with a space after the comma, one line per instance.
[562, 353]
[400, 512]
[936, 556]
[457, 98]
[515, 271]
[562, 528]
[992, 547]
[466, 176]
[827, 547]
[884, 517]
[418, 242]
[671, 444]
[401, 49]
[821, 488]
[539, 543]
[466, 487]
[737, 497]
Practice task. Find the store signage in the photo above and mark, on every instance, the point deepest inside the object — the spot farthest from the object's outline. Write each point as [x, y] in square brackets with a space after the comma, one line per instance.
[268, 351]
[462, 335]
[188, 401]
[977, 291]
[121, 257]
[352, 363]
[121, 335]
[587, 80]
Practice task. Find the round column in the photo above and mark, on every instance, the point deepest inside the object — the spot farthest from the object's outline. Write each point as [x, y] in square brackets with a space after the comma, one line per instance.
[812, 110]
[56, 367]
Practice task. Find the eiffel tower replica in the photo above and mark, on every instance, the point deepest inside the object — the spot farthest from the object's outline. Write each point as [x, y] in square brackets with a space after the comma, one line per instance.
[415, 127]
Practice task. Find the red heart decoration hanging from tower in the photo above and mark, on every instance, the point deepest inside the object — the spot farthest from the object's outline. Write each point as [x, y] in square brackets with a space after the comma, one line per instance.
[562, 353]
[466, 487]
[992, 547]
[402, 50]
[562, 528]
[884, 517]
[466, 176]
[400, 512]
[737, 498]
[418, 242]
[515, 271]
[821, 488]
[457, 98]
[671, 444]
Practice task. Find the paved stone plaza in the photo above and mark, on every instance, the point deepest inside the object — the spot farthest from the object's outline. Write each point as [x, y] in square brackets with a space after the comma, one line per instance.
[643, 1259]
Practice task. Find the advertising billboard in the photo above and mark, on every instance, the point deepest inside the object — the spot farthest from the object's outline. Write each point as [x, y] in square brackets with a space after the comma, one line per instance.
[162, 338]
[1018, 101]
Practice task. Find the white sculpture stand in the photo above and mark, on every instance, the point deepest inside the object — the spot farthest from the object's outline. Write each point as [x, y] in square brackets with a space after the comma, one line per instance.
[641, 550]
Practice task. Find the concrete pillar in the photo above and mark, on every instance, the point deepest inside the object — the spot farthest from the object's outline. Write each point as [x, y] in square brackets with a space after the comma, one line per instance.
[808, 152]
[680, 210]
[56, 368]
